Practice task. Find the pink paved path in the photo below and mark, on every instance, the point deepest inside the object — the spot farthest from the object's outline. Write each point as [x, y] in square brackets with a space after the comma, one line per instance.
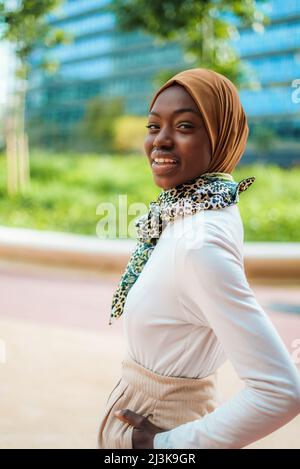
[63, 358]
[82, 299]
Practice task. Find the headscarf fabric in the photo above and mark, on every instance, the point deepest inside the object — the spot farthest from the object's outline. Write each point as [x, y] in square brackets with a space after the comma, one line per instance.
[222, 112]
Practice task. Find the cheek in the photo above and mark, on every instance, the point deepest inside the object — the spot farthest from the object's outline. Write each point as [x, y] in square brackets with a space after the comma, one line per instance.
[148, 143]
[194, 151]
[188, 145]
[197, 143]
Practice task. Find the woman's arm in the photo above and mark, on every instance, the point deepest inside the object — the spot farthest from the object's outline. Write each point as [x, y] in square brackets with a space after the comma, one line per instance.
[214, 281]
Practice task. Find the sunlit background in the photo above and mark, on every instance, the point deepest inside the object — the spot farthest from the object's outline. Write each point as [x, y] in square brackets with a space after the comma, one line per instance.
[76, 80]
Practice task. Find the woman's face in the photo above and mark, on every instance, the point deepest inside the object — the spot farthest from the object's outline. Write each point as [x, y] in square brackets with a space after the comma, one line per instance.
[176, 132]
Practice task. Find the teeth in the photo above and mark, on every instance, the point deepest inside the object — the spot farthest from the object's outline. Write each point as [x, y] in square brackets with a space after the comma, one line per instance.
[163, 160]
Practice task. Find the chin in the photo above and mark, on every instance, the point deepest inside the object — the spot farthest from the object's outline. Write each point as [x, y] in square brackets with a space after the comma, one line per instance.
[164, 184]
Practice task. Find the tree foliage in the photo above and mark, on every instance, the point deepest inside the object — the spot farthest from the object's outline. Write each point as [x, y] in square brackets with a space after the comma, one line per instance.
[23, 23]
[98, 125]
[203, 28]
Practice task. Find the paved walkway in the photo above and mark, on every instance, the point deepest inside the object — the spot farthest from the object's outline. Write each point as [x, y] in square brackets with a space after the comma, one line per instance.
[62, 358]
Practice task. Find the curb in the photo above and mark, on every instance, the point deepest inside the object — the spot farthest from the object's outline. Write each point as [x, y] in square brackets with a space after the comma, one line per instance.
[64, 249]
[263, 261]
[275, 260]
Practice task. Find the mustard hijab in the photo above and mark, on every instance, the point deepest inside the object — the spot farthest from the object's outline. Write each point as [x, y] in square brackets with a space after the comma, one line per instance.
[224, 117]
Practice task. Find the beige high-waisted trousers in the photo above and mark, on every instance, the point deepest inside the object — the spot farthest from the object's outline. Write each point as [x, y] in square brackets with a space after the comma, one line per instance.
[166, 401]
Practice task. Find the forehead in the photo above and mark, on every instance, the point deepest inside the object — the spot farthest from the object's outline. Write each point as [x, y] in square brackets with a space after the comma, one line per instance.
[173, 97]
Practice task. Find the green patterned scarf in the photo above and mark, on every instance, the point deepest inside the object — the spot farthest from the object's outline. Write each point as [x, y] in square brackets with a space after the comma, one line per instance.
[206, 192]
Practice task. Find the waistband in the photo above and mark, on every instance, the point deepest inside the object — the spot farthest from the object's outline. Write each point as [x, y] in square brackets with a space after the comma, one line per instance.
[168, 387]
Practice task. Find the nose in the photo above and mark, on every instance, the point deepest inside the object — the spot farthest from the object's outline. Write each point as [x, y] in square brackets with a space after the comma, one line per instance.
[163, 138]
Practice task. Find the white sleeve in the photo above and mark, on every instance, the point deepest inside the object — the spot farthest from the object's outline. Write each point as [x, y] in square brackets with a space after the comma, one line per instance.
[214, 281]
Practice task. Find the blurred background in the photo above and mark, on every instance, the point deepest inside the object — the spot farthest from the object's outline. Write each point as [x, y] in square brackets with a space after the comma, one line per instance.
[76, 79]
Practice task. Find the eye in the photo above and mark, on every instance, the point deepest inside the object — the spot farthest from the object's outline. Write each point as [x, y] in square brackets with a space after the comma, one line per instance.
[187, 126]
[150, 125]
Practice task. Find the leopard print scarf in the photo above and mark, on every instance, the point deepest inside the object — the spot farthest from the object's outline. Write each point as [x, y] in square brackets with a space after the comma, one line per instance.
[210, 191]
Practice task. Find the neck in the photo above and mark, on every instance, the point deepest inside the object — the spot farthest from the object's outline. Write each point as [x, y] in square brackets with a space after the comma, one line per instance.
[212, 175]
[226, 176]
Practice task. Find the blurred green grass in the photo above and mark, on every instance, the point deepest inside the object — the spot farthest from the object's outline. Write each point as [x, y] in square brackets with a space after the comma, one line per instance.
[65, 191]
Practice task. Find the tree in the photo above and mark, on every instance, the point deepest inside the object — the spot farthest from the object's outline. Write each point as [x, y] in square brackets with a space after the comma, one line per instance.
[98, 125]
[23, 24]
[202, 27]
[263, 137]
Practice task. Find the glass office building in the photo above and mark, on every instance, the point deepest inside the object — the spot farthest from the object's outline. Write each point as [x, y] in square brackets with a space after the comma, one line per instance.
[99, 61]
[103, 61]
[274, 56]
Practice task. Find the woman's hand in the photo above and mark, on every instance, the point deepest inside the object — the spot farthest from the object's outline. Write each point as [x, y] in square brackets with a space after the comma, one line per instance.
[144, 431]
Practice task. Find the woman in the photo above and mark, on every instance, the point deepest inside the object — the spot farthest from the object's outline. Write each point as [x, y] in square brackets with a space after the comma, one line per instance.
[186, 301]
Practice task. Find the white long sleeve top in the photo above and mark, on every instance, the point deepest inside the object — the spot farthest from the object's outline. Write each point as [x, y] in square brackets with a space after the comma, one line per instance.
[190, 310]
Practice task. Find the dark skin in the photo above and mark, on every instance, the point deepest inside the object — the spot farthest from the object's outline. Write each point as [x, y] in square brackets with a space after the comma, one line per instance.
[143, 432]
[183, 135]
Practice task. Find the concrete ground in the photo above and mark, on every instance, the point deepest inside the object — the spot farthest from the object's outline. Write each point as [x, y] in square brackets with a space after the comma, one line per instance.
[59, 359]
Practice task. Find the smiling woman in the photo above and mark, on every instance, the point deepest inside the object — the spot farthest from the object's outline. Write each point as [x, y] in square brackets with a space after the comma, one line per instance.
[184, 294]
[217, 132]
[176, 132]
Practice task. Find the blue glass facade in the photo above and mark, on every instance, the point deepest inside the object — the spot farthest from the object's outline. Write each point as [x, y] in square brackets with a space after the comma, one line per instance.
[103, 61]
[99, 61]
[274, 54]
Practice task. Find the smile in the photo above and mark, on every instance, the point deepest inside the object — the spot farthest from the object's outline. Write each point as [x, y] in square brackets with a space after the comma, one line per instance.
[161, 166]
[164, 160]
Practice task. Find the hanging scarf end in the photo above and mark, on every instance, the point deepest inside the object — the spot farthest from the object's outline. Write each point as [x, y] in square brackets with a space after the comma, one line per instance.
[245, 183]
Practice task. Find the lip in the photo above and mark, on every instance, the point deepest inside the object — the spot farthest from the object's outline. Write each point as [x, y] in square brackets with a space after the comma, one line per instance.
[166, 168]
[163, 154]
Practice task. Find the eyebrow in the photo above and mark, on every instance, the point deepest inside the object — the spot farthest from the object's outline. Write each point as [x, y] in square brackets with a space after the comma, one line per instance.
[178, 111]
